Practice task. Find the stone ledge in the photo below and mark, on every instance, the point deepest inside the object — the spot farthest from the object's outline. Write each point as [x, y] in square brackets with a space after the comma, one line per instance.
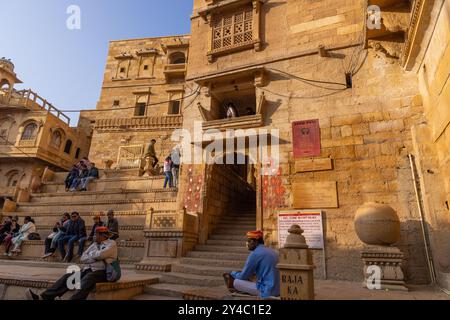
[124, 289]
[121, 227]
[120, 244]
[153, 267]
[111, 191]
[93, 202]
[92, 214]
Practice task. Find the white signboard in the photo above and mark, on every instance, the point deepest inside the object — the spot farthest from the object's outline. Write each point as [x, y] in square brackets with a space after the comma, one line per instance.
[310, 221]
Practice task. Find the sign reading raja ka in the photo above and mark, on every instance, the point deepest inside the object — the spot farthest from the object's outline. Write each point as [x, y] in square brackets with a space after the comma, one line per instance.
[309, 221]
[306, 138]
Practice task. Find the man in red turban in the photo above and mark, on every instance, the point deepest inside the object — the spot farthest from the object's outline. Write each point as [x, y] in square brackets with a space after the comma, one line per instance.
[261, 262]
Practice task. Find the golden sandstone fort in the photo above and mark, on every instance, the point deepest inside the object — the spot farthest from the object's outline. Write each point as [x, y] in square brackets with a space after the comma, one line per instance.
[362, 115]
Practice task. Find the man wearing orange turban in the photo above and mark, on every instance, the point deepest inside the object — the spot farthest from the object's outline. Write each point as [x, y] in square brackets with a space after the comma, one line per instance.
[100, 253]
[261, 262]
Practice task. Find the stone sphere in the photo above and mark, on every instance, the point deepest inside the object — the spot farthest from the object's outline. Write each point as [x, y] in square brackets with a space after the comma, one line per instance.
[377, 224]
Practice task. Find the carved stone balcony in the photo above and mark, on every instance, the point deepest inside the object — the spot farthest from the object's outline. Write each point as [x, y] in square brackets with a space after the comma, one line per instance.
[121, 124]
[243, 122]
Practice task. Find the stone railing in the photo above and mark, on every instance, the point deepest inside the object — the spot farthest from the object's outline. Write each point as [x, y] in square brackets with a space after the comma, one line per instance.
[130, 157]
[7, 191]
[179, 67]
[27, 143]
[161, 122]
[28, 98]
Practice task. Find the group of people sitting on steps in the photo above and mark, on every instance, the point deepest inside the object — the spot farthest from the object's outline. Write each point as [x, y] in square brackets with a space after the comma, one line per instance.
[12, 234]
[100, 263]
[100, 260]
[71, 229]
[81, 174]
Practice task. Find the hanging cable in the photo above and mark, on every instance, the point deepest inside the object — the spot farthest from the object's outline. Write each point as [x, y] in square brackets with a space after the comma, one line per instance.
[13, 145]
[133, 107]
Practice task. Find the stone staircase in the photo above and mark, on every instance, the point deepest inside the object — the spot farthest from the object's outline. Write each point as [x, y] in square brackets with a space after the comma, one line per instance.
[129, 196]
[202, 268]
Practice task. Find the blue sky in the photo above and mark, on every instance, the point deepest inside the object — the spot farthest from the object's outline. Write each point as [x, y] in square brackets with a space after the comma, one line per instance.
[66, 66]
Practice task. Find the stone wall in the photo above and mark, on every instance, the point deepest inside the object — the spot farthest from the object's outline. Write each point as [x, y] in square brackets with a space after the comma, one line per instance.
[225, 193]
[365, 129]
[432, 138]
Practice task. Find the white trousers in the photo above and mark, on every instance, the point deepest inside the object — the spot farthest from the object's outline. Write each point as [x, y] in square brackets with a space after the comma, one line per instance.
[247, 287]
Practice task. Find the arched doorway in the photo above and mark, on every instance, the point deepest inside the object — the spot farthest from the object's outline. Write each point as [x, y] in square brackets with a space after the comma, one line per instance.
[230, 191]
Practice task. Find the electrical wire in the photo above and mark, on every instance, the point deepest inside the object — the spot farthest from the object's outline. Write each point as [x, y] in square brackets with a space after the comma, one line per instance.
[304, 97]
[310, 81]
[133, 107]
[13, 145]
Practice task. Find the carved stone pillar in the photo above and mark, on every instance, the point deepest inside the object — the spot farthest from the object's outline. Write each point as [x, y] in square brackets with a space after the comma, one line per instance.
[296, 267]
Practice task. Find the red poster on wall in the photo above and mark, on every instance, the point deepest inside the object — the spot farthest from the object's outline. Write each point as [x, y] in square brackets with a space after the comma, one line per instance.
[306, 138]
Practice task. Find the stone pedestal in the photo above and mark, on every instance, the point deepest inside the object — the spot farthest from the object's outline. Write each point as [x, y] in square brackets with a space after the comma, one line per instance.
[378, 226]
[389, 260]
[23, 196]
[296, 268]
[8, 206]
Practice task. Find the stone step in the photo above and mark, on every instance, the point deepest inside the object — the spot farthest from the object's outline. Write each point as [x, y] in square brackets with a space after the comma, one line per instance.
[233, 264]
[145, 297]
[126, 232]
[48, 221]
[191, 279]
[125, 217]
[240, 237]
[14, 281]
[200, 270]
[101, 206]
[232, 231]
[222, 249]
[236, 227]
[238, 221]
[47, 264]
[118, 194]
[110, 183]
[211, 255]
[167, 289]
[129, 251]
[110, 174]
[237, 243]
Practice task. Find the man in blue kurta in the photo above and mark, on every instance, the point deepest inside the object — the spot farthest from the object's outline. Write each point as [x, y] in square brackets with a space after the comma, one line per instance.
[262, 261]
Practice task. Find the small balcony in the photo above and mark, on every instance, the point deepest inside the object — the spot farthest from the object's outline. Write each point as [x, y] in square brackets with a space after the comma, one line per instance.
[254, 120]
[177, 70]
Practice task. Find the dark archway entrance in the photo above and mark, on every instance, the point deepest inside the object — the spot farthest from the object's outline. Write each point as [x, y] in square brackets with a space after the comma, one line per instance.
[230, 194]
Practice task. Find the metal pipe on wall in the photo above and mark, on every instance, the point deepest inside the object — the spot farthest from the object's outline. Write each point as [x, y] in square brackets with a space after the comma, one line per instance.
[422, 220]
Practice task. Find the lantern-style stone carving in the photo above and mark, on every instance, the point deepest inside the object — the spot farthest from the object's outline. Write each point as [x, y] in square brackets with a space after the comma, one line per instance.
[378, 226]
[296, 267]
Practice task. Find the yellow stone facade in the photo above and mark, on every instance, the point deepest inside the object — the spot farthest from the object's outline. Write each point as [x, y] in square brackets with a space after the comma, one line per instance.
[381, 97]
[34, 135]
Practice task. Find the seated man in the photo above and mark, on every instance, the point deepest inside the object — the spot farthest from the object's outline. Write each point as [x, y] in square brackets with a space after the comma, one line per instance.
[262, 261]
[113, 225]
[92, 175]
[75, 230]
[94, 271]
[97, 223]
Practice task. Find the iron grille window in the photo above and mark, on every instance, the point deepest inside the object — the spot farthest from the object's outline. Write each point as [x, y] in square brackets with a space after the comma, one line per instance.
[233, 30]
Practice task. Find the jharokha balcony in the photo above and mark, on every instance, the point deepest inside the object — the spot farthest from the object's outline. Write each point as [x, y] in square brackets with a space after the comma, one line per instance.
[175, 70]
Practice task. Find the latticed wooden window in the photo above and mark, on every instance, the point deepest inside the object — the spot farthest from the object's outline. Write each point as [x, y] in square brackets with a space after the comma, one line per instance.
[233, 30]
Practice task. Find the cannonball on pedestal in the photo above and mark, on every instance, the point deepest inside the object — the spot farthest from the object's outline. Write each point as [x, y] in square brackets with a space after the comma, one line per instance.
[377, 224]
